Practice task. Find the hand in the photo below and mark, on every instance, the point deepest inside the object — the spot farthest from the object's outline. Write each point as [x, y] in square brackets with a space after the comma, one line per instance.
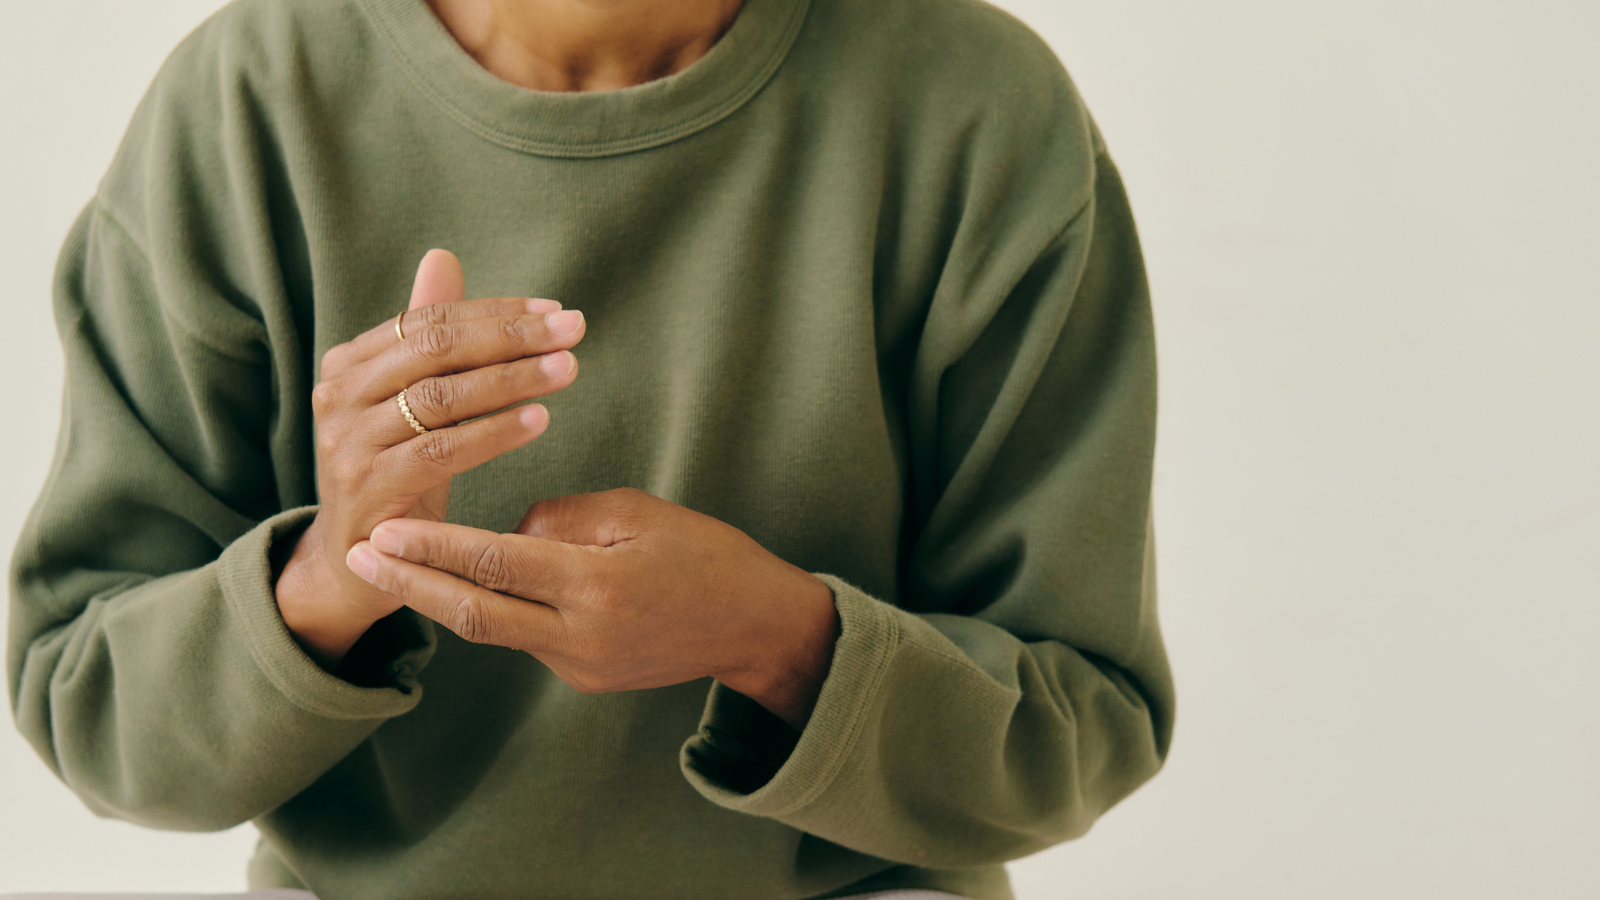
[620, 591]
[460, 359]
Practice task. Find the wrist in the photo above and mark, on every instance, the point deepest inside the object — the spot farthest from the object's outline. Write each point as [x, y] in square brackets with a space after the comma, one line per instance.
[311, 601]
[792, 657]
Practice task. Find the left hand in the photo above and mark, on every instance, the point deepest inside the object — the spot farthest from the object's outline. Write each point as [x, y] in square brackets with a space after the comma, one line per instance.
[620, 591]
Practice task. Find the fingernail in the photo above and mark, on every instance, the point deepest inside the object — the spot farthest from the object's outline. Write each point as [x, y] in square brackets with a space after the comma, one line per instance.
[565, 323]
[542, 305]
[388, 541]
[362, 561]
[557, 365]
[534, 417]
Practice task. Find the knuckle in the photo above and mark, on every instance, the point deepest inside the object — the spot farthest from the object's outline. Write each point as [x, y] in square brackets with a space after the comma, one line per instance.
[467, 619]
[334, 360]
[327, 443]
[323, 397]
[626, 498]
[432, 314]
[436, 395]
[439, 448]
[627, 508]
[510, 378]
[514, 329]
[435, 342]
[491, 568]
[535, 522]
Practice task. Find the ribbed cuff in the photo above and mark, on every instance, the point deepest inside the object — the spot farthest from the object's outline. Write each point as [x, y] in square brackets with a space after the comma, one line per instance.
[244, 572]
[735, 746]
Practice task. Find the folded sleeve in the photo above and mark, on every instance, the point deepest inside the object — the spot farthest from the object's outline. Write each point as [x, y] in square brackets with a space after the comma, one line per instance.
[147, 661]
[1017, 687]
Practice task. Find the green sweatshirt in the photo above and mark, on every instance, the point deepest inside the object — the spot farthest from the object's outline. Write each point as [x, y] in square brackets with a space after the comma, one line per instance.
[861, 282]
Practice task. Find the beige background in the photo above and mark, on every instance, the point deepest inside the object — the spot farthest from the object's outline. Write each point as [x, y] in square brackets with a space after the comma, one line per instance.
[1371, 229]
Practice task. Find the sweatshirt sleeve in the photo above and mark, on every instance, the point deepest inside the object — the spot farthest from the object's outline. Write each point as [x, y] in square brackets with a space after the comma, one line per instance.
[1018, 687]
[147, 661]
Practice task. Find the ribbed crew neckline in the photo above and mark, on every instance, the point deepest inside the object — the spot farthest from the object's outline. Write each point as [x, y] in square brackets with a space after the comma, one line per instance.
[591, 123]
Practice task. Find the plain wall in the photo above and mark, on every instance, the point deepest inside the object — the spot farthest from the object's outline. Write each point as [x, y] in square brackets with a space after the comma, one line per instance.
[1372, 233]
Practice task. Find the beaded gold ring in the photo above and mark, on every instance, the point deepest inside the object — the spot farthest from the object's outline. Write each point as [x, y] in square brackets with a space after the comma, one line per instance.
[405, 410]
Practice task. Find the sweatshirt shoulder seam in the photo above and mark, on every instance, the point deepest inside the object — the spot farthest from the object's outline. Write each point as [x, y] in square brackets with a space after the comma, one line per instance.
[103, 210]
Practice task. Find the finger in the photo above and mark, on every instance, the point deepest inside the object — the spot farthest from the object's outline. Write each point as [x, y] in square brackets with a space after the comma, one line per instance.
[547, 571]
[443, 401]
[601, 519]
[439, 280]
[454, 347]
[427, 459]
[418, 318]
[473, 612]
[381, 337]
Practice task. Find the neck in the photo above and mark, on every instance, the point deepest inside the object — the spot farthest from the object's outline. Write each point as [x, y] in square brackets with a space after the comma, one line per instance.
[585, 45]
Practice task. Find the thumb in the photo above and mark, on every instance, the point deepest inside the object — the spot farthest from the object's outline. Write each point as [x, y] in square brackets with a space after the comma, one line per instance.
[439, 280]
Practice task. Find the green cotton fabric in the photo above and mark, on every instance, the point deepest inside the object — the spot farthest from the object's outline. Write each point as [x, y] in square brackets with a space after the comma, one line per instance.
[861, 282]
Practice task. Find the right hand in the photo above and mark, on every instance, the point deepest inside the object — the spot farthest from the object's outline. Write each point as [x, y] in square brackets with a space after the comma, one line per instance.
[460, 359]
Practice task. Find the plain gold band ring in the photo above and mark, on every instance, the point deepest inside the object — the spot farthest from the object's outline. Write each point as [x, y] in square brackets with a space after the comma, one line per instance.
[405, 410]
[397, 332]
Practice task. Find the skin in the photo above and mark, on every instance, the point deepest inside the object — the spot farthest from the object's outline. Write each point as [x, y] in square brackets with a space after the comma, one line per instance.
[613, 591]
[459, 360]
[585, 45]
[619, 591]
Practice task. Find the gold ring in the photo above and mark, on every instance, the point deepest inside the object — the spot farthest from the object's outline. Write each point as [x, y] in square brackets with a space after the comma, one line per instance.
[405, 410]
[397, 332]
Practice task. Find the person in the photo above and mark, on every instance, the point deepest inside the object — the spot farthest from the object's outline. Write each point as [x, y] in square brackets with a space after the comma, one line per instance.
[830, 574]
